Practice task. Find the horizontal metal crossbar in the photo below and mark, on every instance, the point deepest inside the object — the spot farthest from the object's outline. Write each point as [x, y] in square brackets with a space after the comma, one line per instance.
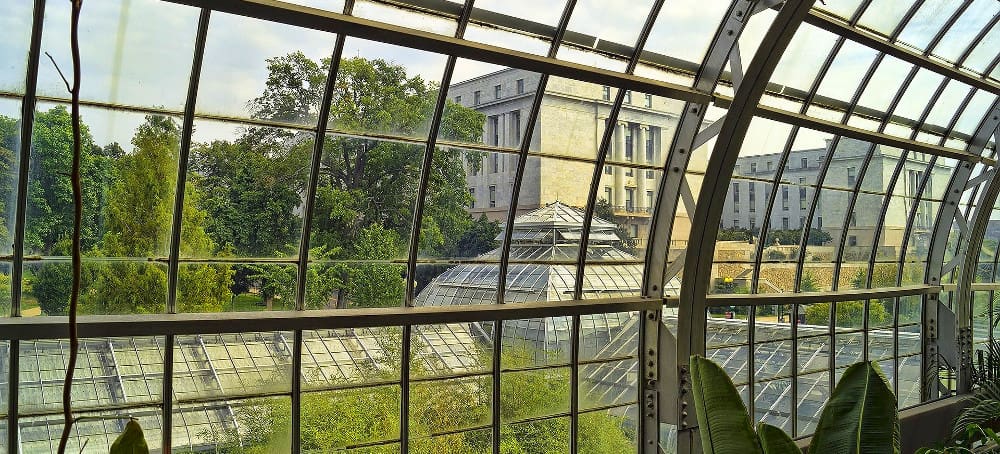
[30, 328]
[317, 19]
[818, 297]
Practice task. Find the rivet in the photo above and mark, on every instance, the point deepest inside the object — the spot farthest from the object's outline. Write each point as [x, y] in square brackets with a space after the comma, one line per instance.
[652, 352]
[651, 364]
[684, 414]
[729, 32]
[676, 169]
[739, 13]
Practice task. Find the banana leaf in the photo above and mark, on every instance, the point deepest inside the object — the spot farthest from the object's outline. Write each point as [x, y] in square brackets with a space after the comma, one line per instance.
[861, 416]
[130, 441]
[775, 441]
[723, 423]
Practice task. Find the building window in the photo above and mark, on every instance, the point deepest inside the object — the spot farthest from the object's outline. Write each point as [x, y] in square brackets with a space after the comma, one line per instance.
[802, 198]
[493, 129]
[494, 162]
[634, 230]
[736, 170]
[496, 92]
[852, 176]
[607, 170]
[752, 197]
[852, 240]
[649, 100]
[628, 172]
[606, 93]
[628, 97]
[854, 219]
[650, 174]
[784, 223]
[736, 223]
[650, 156]
[515, 126]
[784, 198]
[649, 200]
[477, 97]
[802, 221]
[753, 223]
[493, 196]
[819, 223]
[630, 199]
[520, 86]
[472, 195]
[607, 194]
[769, 165]
[753, 168]
[736, 197]
[805, 163]
[628, 143]
[458, 100]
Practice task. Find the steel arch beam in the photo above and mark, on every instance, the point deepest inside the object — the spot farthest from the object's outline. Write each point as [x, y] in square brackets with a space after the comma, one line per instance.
[936, 266]
[701, 247]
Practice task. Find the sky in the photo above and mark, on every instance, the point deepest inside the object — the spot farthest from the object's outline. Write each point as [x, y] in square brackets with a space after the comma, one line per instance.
[146, 59]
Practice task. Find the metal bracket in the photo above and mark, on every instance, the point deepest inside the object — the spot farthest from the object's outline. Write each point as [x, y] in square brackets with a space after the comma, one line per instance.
[649, 381]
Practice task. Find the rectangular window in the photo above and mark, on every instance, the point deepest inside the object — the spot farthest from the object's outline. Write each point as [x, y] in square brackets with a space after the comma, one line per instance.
[649, 200]
[784, 198]
[736, 170]
[607, 170]
[752, 197]
[630, 199]
[784, 223]
[852, 240]
[736, 197]
[494, 162]
[628, 97]
[493, 196]
[496, 92]
[628, 172]
[607, 194]
[753, 167]
[493, 129]
[515, 126]
[520, 86]
[458, 100]
[634, 230]
[802, 222]
[472, 195]
[628, 142]
[819, 223]
[650, 174]
[854, 219]
[805, 163]
[649, 100]
[736, 223]
[606, 93]
[753, 223]
[769, 165]
[852, 176]
[477, 97]
[802, 198]
[650, 155]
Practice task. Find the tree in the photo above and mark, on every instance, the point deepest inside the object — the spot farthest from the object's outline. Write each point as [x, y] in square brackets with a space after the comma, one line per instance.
[604, 210]
[50, 201]
[734, 234]
[481, 237]
[139, 212]
[850, 314]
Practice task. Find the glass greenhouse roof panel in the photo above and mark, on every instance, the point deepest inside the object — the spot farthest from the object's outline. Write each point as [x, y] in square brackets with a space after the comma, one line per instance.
[800, 63]
[132, 53]
[962, 33]
[16, 24]
[406, 17]
[843, 9]
[927, 23]
[984, 52]
[257, 78]
[681, 35]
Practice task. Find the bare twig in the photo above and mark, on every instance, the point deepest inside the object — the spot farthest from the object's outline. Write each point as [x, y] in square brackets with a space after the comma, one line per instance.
[68, 88]
[74, 300]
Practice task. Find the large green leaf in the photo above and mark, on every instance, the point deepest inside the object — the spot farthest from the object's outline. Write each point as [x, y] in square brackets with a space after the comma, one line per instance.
[775, 441]
[130, 441]
[722, 419]
[861, 416]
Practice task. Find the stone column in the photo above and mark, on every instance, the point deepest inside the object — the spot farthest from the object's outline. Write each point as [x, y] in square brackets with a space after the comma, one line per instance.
[619, 190]
[640, 175]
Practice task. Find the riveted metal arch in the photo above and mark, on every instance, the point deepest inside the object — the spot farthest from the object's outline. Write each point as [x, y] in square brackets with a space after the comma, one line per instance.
[936, 266]
[669, 194]
[672, 185]
[701, 248]
[977, 230]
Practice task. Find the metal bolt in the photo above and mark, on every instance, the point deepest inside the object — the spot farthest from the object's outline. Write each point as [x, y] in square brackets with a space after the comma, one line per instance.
[729, 32]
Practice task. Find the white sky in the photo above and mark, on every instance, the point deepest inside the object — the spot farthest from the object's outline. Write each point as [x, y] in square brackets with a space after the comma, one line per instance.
[145, 60]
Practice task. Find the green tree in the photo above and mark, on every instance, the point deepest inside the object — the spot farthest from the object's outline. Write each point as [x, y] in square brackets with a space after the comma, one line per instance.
[850, 314]
[604, 210]
[50, 201]
[734, 234]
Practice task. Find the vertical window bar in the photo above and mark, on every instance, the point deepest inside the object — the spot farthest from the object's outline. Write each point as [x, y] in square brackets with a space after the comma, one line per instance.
[175, 232]
[307, 218]
[529, 128]
[418, 211]
[17, 267]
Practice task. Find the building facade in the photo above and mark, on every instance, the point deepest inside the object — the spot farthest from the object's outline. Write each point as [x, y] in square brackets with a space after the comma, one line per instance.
[567, 135]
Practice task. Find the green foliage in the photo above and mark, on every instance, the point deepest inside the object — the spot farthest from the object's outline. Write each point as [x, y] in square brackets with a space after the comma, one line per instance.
[130, 441]
[850, 314]
[479, 238]
[817, 237]
[52, 285]
[860, 417]
[808, 283]
[734, 234]
[604, 210]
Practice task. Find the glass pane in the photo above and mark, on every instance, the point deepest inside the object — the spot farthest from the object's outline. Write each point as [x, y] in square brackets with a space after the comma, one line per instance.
[135, 53]
[609, 383]
[446, 405]
[534, 393]
[16, 23]
[456, 348]
[222, 365]
[10, 146]
[504, 103]
[280, 75]
[259, 424]
[344, 357]
[611, 430]
[107, 287]
[405, 17]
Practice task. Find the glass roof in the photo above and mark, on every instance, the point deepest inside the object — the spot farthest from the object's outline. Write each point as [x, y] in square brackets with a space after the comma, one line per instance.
[264, 155]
